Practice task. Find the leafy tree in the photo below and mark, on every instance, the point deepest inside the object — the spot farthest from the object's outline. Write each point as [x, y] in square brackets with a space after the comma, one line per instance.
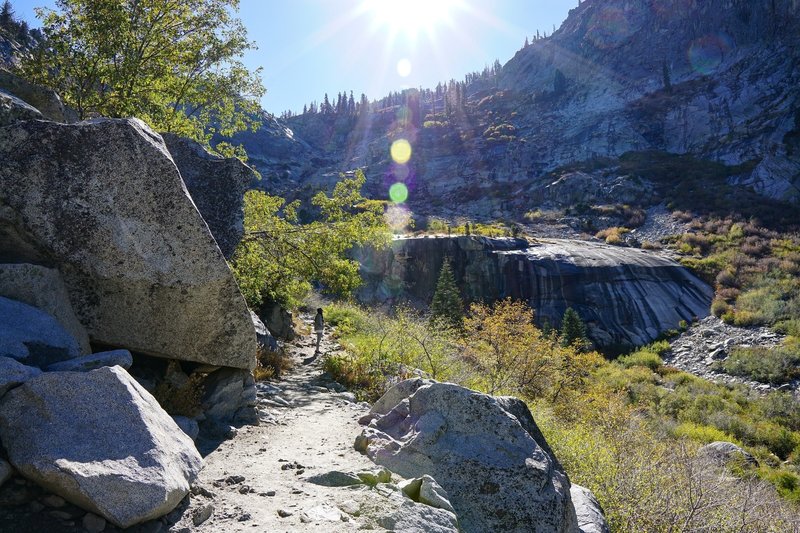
[173, 63]
[279, 257]
[447, 307]
[573, 330]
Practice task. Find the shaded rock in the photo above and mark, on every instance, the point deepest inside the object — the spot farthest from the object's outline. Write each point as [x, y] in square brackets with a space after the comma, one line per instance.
[63, 430]
[44, 289]
[187, 425]
[414, 517]
[12, 110]
[498, 477]
[723, 453]
[264, 338]
[130, 238]
[32, 336]
[520, 411]
[201, 514]
[334, 478]
[229, 392]
[13, 373]
[93, 361]
[46, 101]
[278, 320]
[6, 471]
[426, 490]
[93, 523]
[591, 518]
[217, 185]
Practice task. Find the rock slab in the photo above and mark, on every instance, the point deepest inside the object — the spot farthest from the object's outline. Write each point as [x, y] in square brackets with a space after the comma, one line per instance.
[496, 474]
[100, 441]
[32, 336]
[142, 269]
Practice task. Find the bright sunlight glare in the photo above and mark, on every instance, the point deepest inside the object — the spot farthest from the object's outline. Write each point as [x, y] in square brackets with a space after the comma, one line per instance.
[410, 16]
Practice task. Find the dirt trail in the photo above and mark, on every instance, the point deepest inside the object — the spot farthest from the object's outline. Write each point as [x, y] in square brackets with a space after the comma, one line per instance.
[307, 428]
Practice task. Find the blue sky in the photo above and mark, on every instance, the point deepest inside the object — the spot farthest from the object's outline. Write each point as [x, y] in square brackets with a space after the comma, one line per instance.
[310, 47]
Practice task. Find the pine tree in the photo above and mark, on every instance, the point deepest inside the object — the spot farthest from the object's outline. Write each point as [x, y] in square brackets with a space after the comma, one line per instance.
[665, 74]
[559, 82]
[573, 330]
[447, 306]
[6, 15]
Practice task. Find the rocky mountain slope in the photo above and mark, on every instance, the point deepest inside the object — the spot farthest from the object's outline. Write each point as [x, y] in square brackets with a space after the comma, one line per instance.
[717, 80]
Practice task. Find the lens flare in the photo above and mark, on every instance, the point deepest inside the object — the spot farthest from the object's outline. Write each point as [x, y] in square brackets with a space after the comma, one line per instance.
[609, 27]
[707, 53]
[401, 151]
[398, 193]
[397, 217]
[404, 68]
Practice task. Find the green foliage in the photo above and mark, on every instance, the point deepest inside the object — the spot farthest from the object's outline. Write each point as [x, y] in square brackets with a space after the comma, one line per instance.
[642, 357]
[573, 330]
[701, 433]
[279, 257]
[176, 64]
[767, 365]
[447, 306]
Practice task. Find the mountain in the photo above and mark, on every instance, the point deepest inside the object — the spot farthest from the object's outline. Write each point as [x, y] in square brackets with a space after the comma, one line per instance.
[618, 92]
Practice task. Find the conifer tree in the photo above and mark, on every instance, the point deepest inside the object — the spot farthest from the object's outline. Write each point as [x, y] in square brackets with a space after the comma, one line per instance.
[447, 306]
[573, 330]
[6, 15]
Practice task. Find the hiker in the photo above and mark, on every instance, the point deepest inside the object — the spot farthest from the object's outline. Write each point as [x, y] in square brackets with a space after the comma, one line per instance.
[319, 326]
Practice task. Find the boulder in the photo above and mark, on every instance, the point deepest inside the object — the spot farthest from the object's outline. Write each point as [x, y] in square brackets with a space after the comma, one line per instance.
[13, 373]
[43, 288]
[722, 453]
[6, 471]
[100, 441]
[46, 101]
[230, 396]
[142, 270]
[591, 518]
[94, 361]
[12, 109]
[217, 185]
[278, 320]
[32, 336]
[425, 490]
[498, 476]
[187, 425]
[264, 338]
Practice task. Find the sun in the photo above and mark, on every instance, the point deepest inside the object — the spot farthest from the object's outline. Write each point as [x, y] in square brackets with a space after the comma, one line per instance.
[410, 17]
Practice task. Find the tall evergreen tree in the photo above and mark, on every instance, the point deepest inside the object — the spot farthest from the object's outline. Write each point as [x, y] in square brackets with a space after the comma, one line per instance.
[6, 15]
[559, 82]
[573, 330]
[447, 306]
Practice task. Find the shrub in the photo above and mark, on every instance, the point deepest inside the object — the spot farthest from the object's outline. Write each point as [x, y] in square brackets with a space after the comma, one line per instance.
[775, 366]
[643, 357]
[702, 433]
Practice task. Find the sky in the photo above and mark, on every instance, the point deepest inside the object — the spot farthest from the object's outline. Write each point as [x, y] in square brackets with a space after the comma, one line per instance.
[307, 48]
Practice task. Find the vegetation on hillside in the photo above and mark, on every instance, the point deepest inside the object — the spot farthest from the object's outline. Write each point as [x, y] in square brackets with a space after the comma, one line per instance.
[629, 429]
[279, 257]
[176, 64]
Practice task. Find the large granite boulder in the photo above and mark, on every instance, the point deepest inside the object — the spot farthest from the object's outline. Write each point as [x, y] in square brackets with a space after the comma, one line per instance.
[12, 109]
[104, 201]
[32, 336]
[43, 288]
[591, 518]
[100, 441]
[46, 101]
[217, 185]
[498, 477]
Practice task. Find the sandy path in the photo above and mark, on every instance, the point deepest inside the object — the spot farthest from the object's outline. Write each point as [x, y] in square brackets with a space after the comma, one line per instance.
[309, 429]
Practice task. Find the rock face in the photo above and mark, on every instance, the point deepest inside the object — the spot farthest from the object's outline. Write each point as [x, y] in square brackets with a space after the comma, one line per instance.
[626, 296]
[103, 200]
[44, 289]
[13, 373]
[217, 186]
[101, 441]
[33, 337]
[497, 476]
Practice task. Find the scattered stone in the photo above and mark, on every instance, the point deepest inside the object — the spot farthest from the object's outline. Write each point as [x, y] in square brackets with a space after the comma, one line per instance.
[591, 518]
[61, 515]
[722, 453]
[201, 514]
[373, 477]
[234, 480]
[244, 489]
[62, 430]
[121, 358]
[6, 471]
[93, 523]
[321, 513]
[498, 476]
[283, 513]
[54, 501]
[36, 507]
[244, 517]
[199, 490]
[13, 373]
[335, 478]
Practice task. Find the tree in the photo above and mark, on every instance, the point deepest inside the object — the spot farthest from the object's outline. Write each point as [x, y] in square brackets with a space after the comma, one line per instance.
[279, 257]
[447, 307]
[665, 75]
[573, 330]
[176, 64]
[559, 82]
[7, 16]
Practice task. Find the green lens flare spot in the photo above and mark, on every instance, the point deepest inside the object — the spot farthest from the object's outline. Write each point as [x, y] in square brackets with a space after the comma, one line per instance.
[401, 151]
[398, 193]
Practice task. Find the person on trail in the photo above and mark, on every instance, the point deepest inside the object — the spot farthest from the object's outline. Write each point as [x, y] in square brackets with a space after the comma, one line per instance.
[319, 326]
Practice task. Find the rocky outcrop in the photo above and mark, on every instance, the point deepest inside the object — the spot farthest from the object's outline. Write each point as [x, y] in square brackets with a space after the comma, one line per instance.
[33, 337]
[100, 441]
[104, 202]
[12, 109]
[45, 101]
[626, 296]
[723, 453]
[217, 186]
[121, 358]
[591, 518]
[498, 477]
[43, 288]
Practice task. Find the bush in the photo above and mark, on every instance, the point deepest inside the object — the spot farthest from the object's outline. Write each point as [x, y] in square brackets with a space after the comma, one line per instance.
[702, 433]
[765, 365]
[642, 357]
